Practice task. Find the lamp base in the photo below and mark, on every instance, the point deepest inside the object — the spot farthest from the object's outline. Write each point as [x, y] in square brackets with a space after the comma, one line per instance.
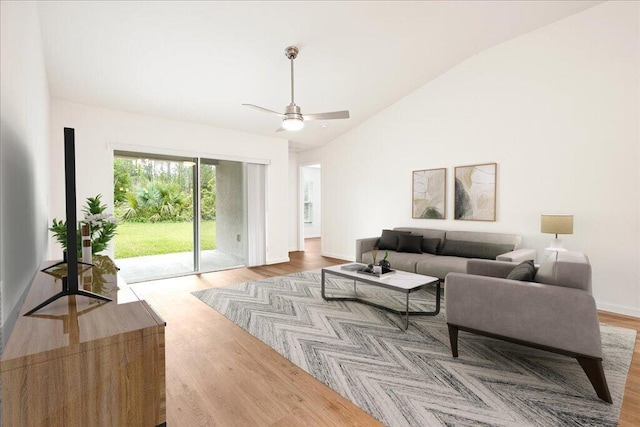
[556, 245]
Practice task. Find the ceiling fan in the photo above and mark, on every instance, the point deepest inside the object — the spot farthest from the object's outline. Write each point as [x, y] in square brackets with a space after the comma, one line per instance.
[293, 119]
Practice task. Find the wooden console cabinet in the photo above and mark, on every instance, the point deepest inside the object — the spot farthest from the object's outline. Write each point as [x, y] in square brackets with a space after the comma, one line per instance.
[82, 362]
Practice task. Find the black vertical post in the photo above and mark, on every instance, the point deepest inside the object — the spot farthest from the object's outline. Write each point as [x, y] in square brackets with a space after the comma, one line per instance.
[72, 222]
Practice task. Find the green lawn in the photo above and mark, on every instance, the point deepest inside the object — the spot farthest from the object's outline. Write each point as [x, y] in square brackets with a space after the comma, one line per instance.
[138, 239]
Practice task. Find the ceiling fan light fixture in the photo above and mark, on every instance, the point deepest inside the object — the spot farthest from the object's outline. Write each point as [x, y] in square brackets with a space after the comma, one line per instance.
[292, 124]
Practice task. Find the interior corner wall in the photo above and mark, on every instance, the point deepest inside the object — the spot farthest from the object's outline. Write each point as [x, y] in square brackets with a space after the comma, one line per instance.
[24, 163]
[98, 130]
[556, 108]
[314, 228]
[294, 208]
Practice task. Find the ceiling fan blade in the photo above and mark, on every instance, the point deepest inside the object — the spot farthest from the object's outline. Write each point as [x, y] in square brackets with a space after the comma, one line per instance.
[327, 116]
[255, 107]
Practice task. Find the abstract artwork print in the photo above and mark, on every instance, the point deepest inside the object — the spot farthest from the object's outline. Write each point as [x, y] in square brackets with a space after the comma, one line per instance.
[429, 194]
[475, 192]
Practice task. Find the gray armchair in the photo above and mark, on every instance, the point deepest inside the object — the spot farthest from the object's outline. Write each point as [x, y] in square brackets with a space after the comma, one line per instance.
[556, 312]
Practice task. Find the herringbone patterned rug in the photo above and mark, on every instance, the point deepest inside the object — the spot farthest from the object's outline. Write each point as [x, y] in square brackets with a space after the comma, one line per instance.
[410, 378]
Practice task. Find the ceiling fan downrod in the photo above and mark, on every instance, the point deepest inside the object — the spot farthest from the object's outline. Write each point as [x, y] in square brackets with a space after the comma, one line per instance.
[291, 52]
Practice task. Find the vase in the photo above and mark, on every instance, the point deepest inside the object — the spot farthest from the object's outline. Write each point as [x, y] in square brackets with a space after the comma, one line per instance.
[385, 264]
[86, 244]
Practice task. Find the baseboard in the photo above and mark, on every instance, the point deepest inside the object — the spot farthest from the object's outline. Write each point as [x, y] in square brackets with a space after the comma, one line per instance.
[620, 309]
[338, 256]
[1, 325]
[12, 317]
[278, 260]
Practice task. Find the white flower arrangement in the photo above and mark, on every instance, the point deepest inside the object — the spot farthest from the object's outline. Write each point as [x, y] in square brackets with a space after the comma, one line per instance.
[103, 226]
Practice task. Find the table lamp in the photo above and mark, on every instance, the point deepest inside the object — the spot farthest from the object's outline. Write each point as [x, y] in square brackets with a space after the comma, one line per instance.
[557, 224]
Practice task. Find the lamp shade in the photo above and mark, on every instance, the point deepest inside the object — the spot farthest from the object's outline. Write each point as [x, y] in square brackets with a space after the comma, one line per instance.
[557, 224]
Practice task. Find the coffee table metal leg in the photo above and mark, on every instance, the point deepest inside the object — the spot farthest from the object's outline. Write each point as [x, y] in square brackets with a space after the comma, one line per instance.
[324, 297]
[406, 315]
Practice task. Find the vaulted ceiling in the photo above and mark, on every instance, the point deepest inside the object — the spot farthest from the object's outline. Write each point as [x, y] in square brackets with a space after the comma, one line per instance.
[198, 61]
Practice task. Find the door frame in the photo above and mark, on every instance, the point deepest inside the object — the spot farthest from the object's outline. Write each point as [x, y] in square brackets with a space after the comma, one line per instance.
[301, 203]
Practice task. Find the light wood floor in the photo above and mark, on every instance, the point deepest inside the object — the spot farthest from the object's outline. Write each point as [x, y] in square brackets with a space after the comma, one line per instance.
[217, 374]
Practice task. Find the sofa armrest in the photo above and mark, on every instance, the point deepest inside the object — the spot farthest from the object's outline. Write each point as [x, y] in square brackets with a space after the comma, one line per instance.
[487, 267]
[518, 255]
[364, 245]
[548, 315]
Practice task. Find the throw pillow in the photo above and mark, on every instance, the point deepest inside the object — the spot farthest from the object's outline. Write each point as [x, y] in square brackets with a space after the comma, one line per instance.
[389, 240]
[525, 271]
[410, 244]
[474, 249]
[430, 246]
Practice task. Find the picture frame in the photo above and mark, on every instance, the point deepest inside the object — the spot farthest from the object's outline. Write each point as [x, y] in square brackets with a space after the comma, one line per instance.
[475, 192]
[429, 194]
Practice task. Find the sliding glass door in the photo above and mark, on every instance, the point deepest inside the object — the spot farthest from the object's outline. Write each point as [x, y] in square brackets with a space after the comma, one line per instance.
[223, 226]
[178, 215]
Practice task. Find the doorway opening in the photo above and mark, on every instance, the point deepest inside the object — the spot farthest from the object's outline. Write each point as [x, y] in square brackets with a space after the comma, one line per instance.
[310, 204]
[178, 215]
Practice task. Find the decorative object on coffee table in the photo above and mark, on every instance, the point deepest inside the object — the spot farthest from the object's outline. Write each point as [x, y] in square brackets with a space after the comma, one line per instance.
[374, 254]
[429, 194]
[386, 265]
[375, 271]
[475, 192]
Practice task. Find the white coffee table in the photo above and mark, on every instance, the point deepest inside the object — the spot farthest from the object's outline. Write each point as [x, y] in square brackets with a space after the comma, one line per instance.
[400, 281]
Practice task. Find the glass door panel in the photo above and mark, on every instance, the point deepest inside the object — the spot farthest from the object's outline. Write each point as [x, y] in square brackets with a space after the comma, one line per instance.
[222, 215]
[154, 203]
[178, 215]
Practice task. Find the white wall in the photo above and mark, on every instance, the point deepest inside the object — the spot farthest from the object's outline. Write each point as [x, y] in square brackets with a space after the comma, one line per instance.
[231, 206]
[100, 130]
[294, 207]
[314, 228]
[24, 166]
[557, 109]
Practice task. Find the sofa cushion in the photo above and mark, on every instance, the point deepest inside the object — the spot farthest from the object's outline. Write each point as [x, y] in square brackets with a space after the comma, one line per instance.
[468, 249]
[490, 268]
[525, 271]
[430, 246]
[409, 243]
[389, 239]
[429, 233]
[477, 236]
[439, 266]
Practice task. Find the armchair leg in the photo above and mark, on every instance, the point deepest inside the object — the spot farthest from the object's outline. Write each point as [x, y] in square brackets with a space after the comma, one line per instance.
[453, 339]
[593, 368]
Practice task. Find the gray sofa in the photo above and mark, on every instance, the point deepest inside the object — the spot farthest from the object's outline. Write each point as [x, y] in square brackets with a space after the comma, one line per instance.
[438, 265]
[554, 312]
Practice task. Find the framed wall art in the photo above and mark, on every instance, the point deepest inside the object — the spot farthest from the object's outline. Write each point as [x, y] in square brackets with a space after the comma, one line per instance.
[475, 192]
[430, 194]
